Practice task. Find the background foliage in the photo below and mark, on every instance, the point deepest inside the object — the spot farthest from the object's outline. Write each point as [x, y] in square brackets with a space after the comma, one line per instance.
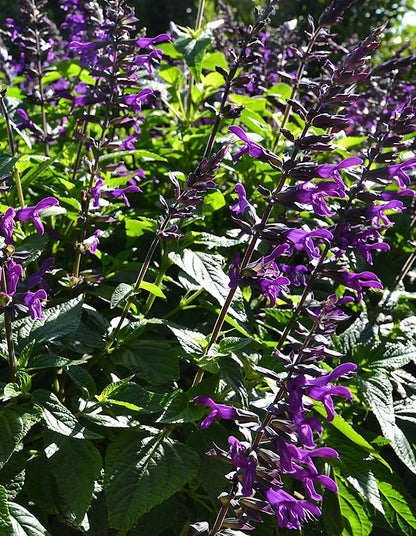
[122, 156]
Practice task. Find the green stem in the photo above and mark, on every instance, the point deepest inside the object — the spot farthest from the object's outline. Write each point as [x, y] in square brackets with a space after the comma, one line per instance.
[12, 148]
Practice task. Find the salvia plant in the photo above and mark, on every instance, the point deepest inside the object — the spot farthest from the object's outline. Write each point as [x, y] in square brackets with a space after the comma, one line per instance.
[207, 283]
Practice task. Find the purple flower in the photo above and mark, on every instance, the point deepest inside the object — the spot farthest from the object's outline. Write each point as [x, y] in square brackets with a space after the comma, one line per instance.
[243, 206]
[253, 149]
[398, 172]
[14, 273]
[271, 288]
[37, 278]
[296, 274]
[302, 240]
[307, 478]
[320, 389]
[313, 194]
[290, 512]
[218, 410]
[137, 99]
[32, 300]
[96, 192]
[248, 466]
[91, 243]
[327, 171]
[358, 281]
[234, 271]
[377, 213]
[32, 213]
[121, 192]
[7, 225]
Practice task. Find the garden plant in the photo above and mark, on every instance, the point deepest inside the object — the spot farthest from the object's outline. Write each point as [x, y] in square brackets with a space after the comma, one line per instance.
[207, 238]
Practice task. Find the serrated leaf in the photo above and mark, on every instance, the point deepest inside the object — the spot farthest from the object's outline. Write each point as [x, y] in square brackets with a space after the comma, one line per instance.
[58, 321]
[51, 360]
[7, 163]
[403, 507]
[151, 360]
[188, 339]
[13, 428]
[37, 169]
[24, 523]
[360, 332]
[207, 270]
[212, 241]
[356, 519]
[81, 377]
[58, 418]
[393, 356]
[76, 465]
[143, 472]
[140, 399]
[12, 475]
[348, 431]
[178, 410]
[378, 392]
[193, 50]
[6, 527]
[405, 409]
[122, 292]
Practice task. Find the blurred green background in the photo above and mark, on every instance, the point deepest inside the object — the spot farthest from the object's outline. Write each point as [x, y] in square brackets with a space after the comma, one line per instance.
[155, 15]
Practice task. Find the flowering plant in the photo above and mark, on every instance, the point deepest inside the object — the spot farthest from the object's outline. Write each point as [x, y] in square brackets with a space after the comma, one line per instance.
[135, 367]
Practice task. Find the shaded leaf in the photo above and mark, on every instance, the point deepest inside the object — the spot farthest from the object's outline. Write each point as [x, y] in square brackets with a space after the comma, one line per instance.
[142, 472]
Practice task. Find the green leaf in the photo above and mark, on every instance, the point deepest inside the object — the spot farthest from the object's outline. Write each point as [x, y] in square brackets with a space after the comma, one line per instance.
[76, 465]
[393, 356]
[24, 523]
[151, 360]
[188, 339]
[348, 431]
[6, 527]
[36, 170]
[58, 418]
[178, 410]
[81, 377]
[193, 50]
[356, 519]
[13, 428]
[122, 292]
[153, 289]
[207, 270]
[12, 475]
[231, 371]
[35, 244]
[141, 154]
[213, 201]
[400, 507]
[212, 60]
[142, 472]
[7, 163]
[51, 360]
[58, 321]
[378, 392]
[212, 241]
